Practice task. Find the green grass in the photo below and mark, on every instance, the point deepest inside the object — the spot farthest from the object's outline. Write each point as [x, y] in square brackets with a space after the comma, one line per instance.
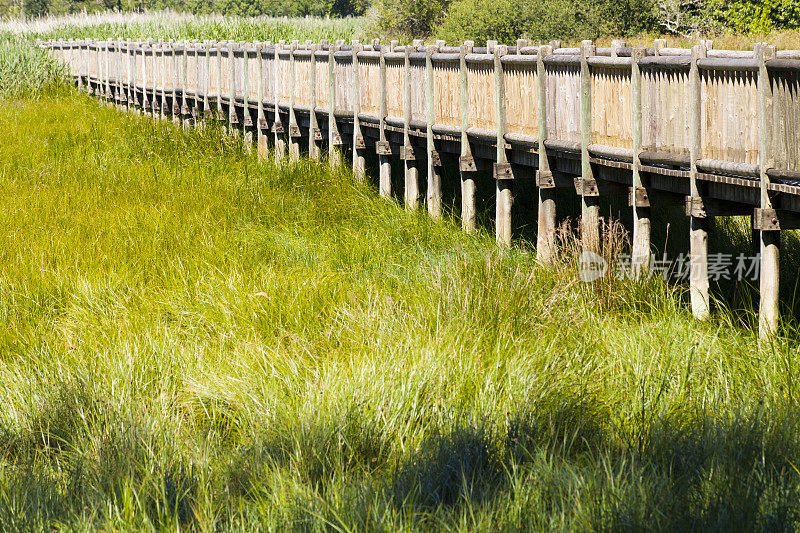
[192, 338]
[26, 70]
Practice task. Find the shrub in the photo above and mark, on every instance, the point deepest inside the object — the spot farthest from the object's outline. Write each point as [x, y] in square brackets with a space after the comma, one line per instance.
[410, 18]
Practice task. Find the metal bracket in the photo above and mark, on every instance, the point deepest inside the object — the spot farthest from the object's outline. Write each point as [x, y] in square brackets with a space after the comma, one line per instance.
[233, 119]
[336, 140]
[262, 123]
[436, 160]
[695, 207]
[766, 220]
[184, 109]
[407, 153]
[586, 187]
[502, 171]
[383, 148]
[248, 120]
[317, 134]
[358, 142]
[544, 179]
[466, 163]
[220, 115]
[294, 130]
[638, 197]
[277, 127]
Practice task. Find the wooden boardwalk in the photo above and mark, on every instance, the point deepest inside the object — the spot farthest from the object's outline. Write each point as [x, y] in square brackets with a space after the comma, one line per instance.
[716, 131]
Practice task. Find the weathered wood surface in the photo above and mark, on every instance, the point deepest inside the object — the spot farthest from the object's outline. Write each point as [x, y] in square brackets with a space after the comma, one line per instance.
[720, 128]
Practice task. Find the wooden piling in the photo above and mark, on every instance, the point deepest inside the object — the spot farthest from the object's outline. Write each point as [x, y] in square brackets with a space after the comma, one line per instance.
[334, 139]
[359, 145]
[411, 171]
[314, 133]
[294, 128]
[590, 205]
[546, 252]
[186, 117]
[504, 178]
[262, 144]
[382, 147]
[277, 125]
[698, 221]
[434, 190]
[466, 163]
[639, 197]
[247, 121]
[766, 220]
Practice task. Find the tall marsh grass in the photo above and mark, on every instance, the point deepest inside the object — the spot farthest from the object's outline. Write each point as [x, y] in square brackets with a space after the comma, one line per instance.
[191, 338]
[26, 70]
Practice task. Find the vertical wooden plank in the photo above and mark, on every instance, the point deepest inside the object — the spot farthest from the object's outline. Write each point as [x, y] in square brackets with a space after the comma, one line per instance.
[546, 252]
[640, 253]
[466, 166]
[359, 147]
[247, 122]
[504, 198]
[186, 119]
[698, 238]
[408, 155]
[590, 207]
[434, 191]
[233, 119]
[768, 315]
[220, 113]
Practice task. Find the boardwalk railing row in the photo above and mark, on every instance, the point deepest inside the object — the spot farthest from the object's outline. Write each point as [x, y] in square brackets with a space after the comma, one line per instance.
[716, 131]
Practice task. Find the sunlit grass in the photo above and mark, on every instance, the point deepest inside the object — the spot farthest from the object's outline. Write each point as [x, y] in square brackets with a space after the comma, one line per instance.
[191, 337]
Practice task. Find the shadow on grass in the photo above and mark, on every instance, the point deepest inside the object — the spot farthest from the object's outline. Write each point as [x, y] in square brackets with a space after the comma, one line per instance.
[562, 459]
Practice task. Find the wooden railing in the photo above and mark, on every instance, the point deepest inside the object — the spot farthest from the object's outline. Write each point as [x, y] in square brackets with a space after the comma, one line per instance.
[718, 130]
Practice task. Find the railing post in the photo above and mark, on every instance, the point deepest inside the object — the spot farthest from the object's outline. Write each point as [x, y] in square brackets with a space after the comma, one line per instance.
[207, 80]
[176, 109]
[359, 147]
[407, 155]
[247, 120]
[503, 175]
[156, 47]
[698, 222]
[383, 147]
[185, 111]
[162, 71]
[638, 196]
[277, 126]
[466, 163]
[314, 134]
[546, 233]
[233, 119]
[590, 207]
[220, 112]
[334, 139]
[770, 235]
[263, 148]
[434, 191]
[294, 128]
[145, 97]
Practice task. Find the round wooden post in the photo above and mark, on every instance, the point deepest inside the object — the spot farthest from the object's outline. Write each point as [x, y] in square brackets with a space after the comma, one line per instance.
[262, 144]
[334, 139]
[766, 219]
[294, 129]
[590, 205]
[466, 163]
[247, 122]
[314, 133]
[382, 147]
[359, 147]
[504, 178]
[434, 190]
[408, 155]
[546, 234]
[277, 125]
[698, 222]
[639, 198]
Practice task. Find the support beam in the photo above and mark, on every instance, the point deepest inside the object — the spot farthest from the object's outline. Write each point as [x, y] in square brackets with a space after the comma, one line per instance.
[262, 144]
[277, 125]
[698, 222]
[434, 190]
[640, 199]
[294, 128]
[359, 146]
[770, 240]
[247, 120]
[590, 200]
[466, 163]
[546, 252]
[407, 155]
[334, 139]
[504, 178]
[314, 134]
[382, 147]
